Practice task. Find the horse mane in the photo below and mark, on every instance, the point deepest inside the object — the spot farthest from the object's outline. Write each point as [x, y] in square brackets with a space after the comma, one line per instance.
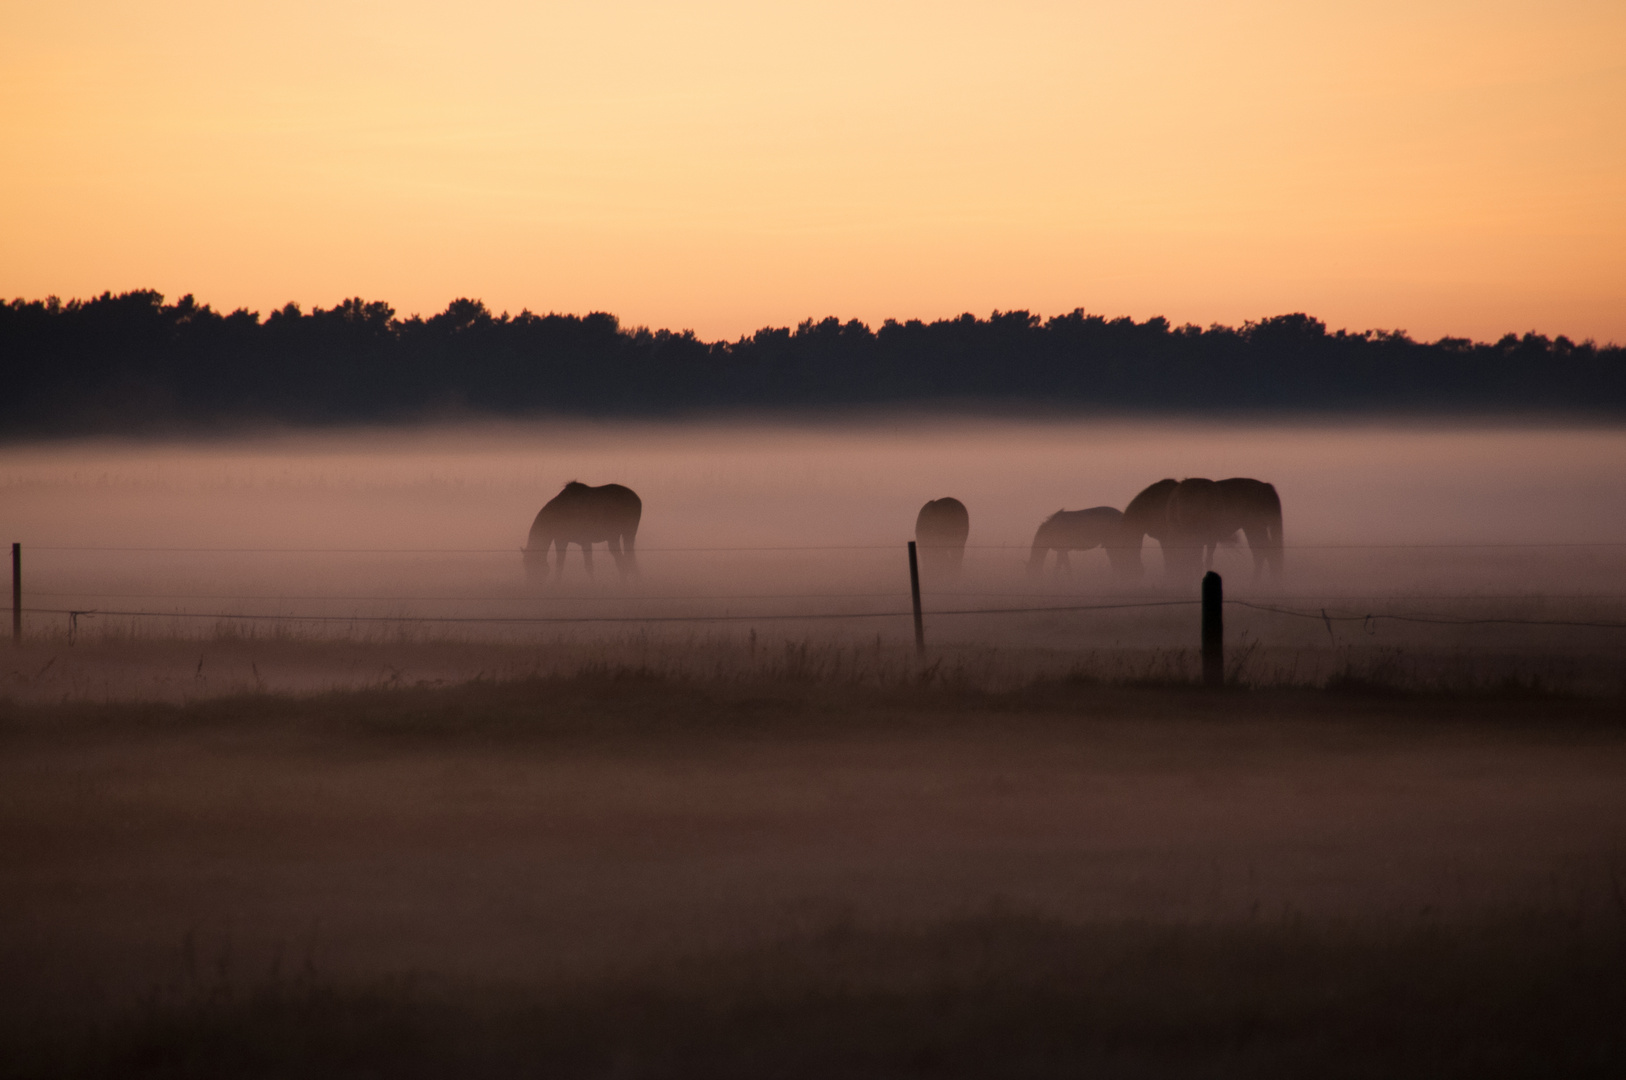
[1151, 501]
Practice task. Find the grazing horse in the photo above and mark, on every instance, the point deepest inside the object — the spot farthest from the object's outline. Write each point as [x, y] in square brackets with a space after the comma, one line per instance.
[1081, 530]
[1207, 513]
[1190, 518]
[941, 529]
[1148, 515]
[585, 515]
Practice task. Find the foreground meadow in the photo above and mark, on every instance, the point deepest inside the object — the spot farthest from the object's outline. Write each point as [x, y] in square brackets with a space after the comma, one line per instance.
[618, 872]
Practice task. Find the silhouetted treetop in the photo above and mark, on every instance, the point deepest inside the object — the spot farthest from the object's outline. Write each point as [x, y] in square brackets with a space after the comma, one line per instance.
[128, 361]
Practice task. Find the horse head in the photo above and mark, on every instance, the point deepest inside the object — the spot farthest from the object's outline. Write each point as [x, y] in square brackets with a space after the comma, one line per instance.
[1042, 543]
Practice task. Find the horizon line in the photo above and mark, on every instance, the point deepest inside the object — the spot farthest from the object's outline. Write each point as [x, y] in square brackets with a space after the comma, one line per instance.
[292, 307]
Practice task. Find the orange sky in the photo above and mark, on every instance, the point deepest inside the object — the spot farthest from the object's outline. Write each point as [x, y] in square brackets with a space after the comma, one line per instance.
[1433, 165]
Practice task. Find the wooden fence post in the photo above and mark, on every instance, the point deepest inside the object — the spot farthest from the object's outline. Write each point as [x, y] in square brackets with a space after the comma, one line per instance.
[16, 594]
[1213, 631]
[914, 589]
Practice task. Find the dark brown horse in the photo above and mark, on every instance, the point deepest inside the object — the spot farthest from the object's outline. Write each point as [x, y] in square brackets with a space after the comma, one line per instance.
[586, 516]
[1208, 513]
[941, 529]
[1190, 518]
[1081, 530]
[1148, 515]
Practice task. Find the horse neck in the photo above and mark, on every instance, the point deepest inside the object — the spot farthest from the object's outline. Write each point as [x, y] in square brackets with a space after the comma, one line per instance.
[541, 538]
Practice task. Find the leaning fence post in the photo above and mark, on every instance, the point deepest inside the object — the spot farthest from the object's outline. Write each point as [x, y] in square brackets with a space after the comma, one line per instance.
[914, 589]
[16, 594]
[1213, 630]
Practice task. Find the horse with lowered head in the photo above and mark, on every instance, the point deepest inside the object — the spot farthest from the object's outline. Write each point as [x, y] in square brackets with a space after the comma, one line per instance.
[941, 529]
[1081, 530]
[1191, 518]
[586, 516]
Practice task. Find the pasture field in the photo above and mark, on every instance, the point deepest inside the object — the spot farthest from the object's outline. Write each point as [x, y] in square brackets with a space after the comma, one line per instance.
[731, 859]
[300, 774]
[1545, 647]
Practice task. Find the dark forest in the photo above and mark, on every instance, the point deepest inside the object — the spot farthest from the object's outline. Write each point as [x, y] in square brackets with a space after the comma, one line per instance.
[131, 362]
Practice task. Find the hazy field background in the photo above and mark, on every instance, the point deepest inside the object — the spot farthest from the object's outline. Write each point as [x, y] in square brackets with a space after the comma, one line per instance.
[786, 845]
[768, 484]
[1455, 521]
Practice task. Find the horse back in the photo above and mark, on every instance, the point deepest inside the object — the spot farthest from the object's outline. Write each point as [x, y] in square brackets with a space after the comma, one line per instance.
[1148, 511]
[1082, 529]
[1253, 497]
[943, 521]
[600, 512]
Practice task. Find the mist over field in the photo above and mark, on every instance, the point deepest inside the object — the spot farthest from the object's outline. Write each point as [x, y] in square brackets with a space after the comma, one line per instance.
[796, 532]
[785, 484]
[721, 816]
[439, 513]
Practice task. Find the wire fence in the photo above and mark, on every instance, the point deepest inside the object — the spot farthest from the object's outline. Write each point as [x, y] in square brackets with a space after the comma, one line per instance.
[1436, 620]
[523, 619]
[888, 595]
[1420, 546]
[1321, 615]
[1327, 609]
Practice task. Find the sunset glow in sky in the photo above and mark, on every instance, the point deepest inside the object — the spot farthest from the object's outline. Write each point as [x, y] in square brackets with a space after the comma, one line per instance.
[1441, 166]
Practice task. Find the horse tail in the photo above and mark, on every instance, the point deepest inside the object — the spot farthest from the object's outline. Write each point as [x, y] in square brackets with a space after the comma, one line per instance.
[1273, 523]
[627, 561]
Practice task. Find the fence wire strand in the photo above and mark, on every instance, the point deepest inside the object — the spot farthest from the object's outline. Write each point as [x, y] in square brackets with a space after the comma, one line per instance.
[891, 594]
[1437, 620]
[522, 619]
[1319, 615]
[1122, 603]
[1442, 546]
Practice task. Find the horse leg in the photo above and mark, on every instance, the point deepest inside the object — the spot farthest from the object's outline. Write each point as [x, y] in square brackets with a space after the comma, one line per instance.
[1124, 552]
[1258, 545]
[1063, 562]
[587, 556]
[560, 546]
[623, 557]
[1177, 556]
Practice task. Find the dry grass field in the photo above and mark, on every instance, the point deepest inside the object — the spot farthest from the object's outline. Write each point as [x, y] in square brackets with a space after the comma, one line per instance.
[301, 774]
[804, 868]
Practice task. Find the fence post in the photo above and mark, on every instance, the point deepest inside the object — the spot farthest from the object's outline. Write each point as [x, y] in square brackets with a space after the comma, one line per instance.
[914, 589]
[16, 594]
[1213, 631]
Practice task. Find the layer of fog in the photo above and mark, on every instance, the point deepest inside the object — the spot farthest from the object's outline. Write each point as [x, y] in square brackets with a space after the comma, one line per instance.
[1367, 510]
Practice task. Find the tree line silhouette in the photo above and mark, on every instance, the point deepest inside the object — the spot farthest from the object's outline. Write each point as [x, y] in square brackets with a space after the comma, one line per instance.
[131, 361]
